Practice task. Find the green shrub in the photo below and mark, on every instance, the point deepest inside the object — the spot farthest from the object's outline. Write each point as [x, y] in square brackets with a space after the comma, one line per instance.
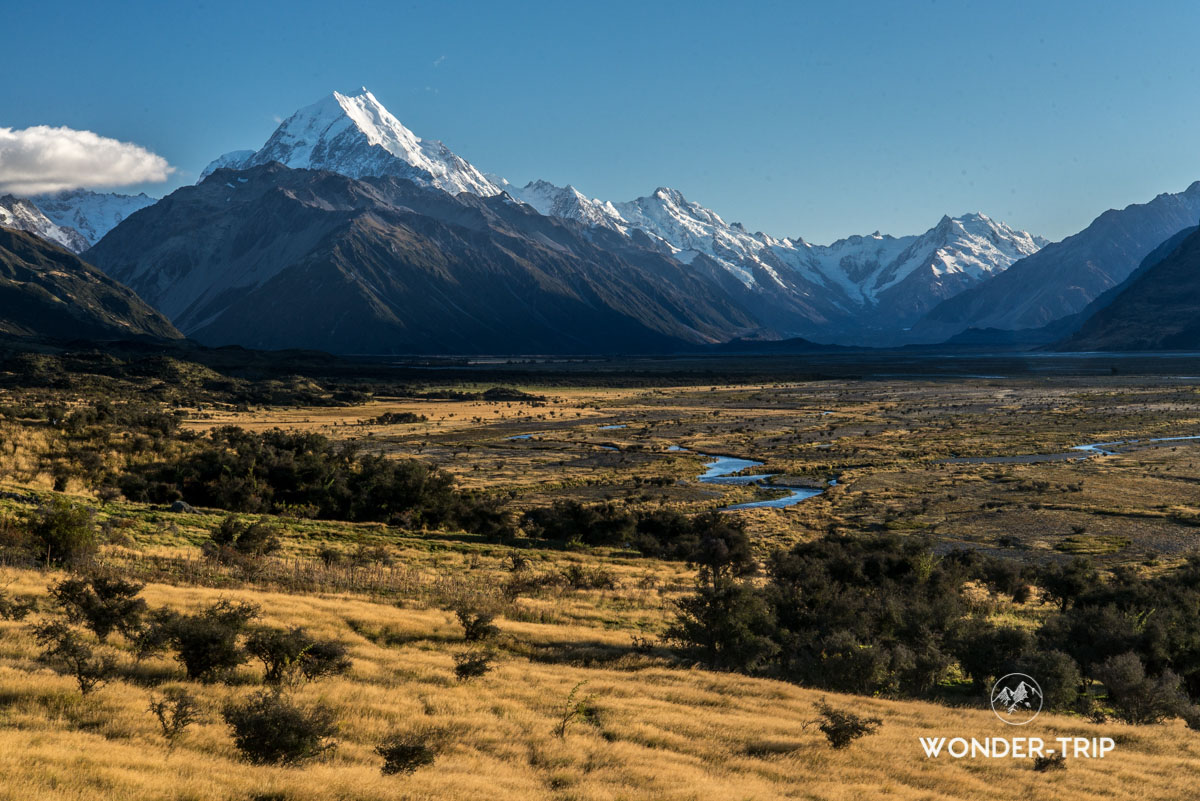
[102, 603]
[207, 642]
[469, 665]
[290, 652]
[842, 727]
[476, 623]
[63, 532]
[175, 711]
[64, 649]
[270, 729]
[235, 538]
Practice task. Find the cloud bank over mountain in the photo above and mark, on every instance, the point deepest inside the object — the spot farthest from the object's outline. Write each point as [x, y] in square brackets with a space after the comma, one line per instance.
[47, 159]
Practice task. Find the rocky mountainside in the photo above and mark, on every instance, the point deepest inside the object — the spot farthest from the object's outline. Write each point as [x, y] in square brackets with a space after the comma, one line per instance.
[1157, 308]
[868, 283]
[24, 215]
[1062, 278]
[272, 257]
[48, 292]
[862, 289]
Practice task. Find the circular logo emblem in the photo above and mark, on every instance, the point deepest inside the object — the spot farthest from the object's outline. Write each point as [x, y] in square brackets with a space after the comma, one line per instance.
[1016, 699]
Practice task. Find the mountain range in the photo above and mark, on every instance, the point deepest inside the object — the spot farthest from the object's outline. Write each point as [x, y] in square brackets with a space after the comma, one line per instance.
[860, 289]
[273, 257]
[347, 232]
[75, 219]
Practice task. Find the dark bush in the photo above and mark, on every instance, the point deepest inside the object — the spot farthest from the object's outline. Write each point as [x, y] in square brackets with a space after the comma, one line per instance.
[729, 622]
[583, 578]
[17, 608]
[1046, 763]
[477, 623]
[842, 727]
[1136, 697]
[102, 603]
[289, 652]
[175, 711]
[207, 642]
[235, 538]
[63, 532]
[270, 729]
[65, 650]
[470, 665]
[405, 753]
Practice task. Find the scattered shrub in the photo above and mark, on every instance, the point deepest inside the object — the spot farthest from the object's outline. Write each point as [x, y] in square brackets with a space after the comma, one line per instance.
[286, 653]
[270, 729]
[477, 623]
[1045, 763]
[842, 727]
[583, 578]
[575, 708]
[207, 642]
[1136, 697]
[405, 753]
[69, 653]
[17, 608]
[102, 603]
[63, 532]
[175, 711]
[469, 665]
[235, 538]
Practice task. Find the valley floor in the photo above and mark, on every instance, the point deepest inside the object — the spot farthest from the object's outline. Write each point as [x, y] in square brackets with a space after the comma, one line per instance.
[664, 729]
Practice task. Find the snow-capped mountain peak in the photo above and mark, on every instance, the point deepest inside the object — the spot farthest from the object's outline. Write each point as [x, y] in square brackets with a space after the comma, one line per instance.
[356, 136]
[24, 215]
[92, 214]
[568, 203]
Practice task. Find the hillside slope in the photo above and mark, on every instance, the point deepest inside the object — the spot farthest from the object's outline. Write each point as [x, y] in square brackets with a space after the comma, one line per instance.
[47, 291]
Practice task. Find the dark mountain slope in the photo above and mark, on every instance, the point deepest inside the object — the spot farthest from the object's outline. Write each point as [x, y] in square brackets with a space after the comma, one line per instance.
[48, 292]
[1158, 310]
[272, 257]
[1062, 278]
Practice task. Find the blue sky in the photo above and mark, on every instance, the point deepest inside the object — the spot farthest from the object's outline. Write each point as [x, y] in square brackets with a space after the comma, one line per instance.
[811, 119]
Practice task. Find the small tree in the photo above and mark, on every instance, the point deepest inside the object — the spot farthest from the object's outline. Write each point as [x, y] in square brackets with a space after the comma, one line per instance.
[175, 711]
[842, 727]
[286, 653]
[69, 653]
[102, 603]
[207, 642]
[270, 729]
[236, 540]
[575, 708]
[476, 623]
[63, 531]
[728, 620]
[1136, 697]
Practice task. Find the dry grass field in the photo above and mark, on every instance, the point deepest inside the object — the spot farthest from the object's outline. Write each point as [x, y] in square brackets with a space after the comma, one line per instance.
[662, 732]
[664, 729]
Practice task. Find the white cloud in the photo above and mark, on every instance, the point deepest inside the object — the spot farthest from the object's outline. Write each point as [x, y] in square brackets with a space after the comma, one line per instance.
[45, 159]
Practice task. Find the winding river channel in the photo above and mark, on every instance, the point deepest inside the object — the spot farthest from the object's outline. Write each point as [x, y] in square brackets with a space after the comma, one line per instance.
[1076, 452]
[725, 470]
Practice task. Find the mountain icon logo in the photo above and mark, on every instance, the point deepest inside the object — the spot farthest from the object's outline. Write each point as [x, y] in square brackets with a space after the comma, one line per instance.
[1016, 699]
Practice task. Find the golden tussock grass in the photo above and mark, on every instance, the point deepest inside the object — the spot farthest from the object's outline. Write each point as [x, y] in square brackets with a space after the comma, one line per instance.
[663, 733]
